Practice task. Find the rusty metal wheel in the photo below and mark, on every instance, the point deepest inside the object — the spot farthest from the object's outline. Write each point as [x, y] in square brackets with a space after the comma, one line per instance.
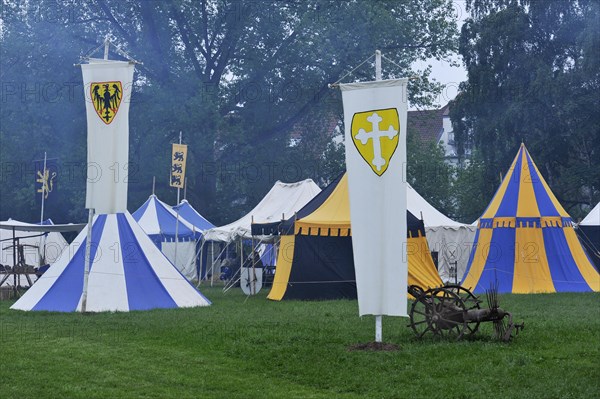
[471, 302]
[448, 314]
[420, 314]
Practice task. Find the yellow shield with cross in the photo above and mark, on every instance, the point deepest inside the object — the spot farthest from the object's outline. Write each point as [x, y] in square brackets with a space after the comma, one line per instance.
[375, 135]
[106, 97]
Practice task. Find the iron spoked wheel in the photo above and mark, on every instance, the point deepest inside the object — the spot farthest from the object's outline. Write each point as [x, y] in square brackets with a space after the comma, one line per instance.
[420, 315]
[470, 301]
[448, 314]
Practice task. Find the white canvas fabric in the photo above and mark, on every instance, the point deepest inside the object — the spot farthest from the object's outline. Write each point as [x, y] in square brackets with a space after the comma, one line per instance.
[419, 207]
[453, 244]
[592, 218]
[282, 201]
[108, 142]
[377, 202]
[186, 256]
[452, 240]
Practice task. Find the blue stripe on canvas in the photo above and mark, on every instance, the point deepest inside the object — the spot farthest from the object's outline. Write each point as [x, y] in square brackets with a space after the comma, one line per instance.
[65, 293]
[499, 265]
[563, 268]
[510, 201]
[144, 288]
[545, 205]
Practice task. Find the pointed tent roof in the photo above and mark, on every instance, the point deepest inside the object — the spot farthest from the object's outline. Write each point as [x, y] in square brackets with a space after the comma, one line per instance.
[139, 278]
[525, 242]
[159, 221]
[283, 199]
[192, 216]
[431, 216]
[592, 218]
[332, 208]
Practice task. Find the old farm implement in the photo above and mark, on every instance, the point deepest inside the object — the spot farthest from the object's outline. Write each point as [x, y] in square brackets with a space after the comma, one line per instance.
[454, 311]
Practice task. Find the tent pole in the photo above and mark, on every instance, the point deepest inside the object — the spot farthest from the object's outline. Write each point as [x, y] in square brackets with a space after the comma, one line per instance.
[241, 255]
[200, 263]
[378, 318]
[87, 261]
[252, 283]
[15, 249]
[212, 265]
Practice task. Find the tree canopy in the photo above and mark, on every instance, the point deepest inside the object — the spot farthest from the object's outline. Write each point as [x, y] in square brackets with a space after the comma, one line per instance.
[534, 77]
[238, 78]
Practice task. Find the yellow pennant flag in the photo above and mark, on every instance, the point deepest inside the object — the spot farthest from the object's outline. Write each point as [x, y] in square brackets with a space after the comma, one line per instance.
[178, 160]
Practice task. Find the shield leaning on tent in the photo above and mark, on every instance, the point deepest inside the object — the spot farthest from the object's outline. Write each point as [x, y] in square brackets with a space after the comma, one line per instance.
[106, 97]
[375, 136]
[251, 280]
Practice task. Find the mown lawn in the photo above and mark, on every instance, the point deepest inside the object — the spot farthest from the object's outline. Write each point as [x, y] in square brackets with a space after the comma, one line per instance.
[255, 348]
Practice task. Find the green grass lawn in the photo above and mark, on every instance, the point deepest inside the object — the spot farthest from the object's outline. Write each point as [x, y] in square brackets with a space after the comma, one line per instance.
[255, 348]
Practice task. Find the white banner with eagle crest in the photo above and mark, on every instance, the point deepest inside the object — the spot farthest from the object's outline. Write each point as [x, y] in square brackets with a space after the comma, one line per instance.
[375, 135]
[107, 88]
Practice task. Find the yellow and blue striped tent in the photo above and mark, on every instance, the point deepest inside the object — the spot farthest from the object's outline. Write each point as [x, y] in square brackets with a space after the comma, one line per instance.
[525, 241]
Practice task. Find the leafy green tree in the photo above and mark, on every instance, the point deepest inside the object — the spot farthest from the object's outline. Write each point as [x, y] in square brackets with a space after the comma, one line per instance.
[534, 76]
[237, 77]
[429, 174]
[466, 190]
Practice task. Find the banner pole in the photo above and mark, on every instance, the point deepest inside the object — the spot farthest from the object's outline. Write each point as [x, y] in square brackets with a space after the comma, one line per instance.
[41, 249]
[184, 189]
[87, 261]
[378, 318]
[177, 221]
[106, 46]
[44, 186]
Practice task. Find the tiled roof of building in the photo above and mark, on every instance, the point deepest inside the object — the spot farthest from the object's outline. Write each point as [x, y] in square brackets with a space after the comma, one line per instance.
[427, 124]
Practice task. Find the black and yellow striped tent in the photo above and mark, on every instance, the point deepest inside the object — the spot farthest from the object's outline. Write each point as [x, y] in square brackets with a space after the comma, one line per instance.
[315, 258]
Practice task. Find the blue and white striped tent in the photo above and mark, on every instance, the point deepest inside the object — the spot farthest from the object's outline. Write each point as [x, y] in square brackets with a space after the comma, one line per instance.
[128, 272]
[191, 215]
[159, 221]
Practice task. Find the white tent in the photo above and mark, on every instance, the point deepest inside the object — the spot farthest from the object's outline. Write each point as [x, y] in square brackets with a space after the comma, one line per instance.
[592, 218]
[281, 202]
[450, 239]
[128, 272]
[39, 248]
[588, 232]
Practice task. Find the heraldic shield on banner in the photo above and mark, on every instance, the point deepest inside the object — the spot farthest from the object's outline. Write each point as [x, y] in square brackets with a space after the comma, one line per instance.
[106, 97]
[375, 134]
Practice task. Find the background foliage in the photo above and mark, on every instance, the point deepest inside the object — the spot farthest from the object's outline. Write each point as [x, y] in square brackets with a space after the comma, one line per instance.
[238, 78]
[533, 76]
